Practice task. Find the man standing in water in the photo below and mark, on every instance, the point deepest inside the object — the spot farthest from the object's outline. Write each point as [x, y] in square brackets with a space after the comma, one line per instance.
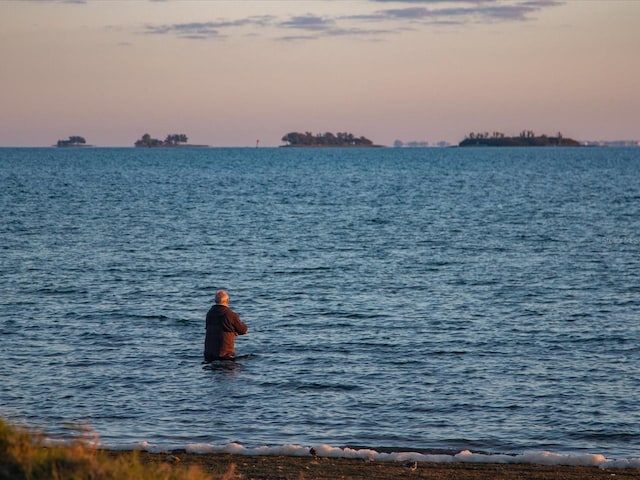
[223, 326]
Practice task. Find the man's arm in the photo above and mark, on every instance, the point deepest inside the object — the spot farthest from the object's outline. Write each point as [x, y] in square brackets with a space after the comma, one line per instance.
[239, 326]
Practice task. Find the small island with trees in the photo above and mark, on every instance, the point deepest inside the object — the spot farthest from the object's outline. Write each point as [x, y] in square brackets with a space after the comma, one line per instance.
[526, 139]
[172, 140]
[73, 141]
[341, 139]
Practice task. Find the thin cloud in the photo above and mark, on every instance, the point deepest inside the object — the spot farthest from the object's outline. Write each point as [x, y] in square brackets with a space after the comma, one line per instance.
[437, 1]
[75, 2]
[411, 13]
[468, 11]
[195, 30]
[309, 22]
[406, 15]
[315, 27]
[204, 30]
[297, 38]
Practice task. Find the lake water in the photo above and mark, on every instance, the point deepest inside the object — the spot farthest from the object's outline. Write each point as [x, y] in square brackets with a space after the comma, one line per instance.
[403, 299]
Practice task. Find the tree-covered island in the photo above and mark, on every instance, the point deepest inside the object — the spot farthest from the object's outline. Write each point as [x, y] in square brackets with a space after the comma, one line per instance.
[526, 139]
[173, 140]
[73, 141]
[340, 139]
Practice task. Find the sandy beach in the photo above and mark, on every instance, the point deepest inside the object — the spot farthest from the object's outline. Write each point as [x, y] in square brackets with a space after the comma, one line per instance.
[244, 467]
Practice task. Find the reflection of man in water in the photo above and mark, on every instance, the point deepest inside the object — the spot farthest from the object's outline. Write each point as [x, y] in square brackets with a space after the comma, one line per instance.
[223, 326]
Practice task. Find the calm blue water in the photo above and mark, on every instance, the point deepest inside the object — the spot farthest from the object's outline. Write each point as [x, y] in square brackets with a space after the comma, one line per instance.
[482, 299]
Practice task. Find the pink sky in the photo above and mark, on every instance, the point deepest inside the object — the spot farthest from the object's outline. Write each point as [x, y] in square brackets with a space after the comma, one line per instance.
[229, 72]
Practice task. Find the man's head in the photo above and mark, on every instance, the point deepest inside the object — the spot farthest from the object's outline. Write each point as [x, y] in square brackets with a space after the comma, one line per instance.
[222, 297]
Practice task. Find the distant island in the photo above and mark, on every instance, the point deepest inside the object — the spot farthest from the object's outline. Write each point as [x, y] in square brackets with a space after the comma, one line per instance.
[173, 140]
[420, 144]
[525, 139]
[73, 141]
[341, 139]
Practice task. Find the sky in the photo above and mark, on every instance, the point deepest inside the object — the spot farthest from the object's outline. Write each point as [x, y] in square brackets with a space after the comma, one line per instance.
[228, 73]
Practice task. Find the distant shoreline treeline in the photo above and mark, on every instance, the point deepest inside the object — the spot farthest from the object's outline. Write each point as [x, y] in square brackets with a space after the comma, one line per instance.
[526, 139]
[73, 141]
[172, 140]
[341, 139]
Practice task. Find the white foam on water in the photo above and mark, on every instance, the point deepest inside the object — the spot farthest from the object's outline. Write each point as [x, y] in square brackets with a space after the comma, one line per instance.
[465, 456]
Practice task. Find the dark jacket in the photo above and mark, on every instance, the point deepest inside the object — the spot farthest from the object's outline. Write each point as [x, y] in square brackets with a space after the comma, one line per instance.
[223, 325]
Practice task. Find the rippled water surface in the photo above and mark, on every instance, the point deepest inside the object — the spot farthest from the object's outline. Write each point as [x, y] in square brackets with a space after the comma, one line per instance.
[483, 299]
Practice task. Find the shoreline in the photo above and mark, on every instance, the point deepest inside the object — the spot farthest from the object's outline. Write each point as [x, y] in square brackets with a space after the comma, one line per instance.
[266, 467]
[333, 146]
[390, 455]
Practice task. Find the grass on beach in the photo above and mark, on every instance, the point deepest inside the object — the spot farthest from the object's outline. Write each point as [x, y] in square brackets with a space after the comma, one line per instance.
[23, 456]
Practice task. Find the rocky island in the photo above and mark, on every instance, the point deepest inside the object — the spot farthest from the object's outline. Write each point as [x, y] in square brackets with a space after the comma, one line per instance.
[341, 139]
[525, 139]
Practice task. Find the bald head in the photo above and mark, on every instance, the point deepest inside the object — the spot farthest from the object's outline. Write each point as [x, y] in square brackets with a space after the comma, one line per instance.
[222, 297]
